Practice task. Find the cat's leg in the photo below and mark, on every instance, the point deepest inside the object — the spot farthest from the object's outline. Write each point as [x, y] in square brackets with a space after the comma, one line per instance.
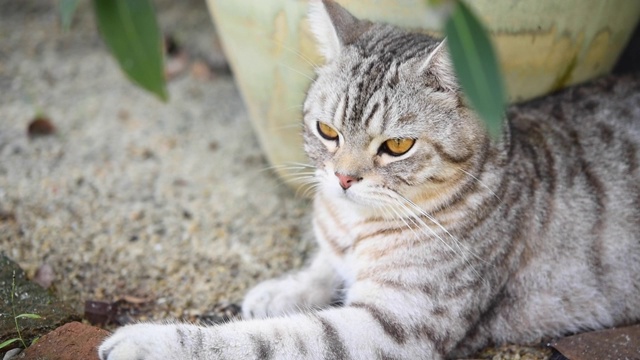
[376, 322]
[312, 288]
[335, 333]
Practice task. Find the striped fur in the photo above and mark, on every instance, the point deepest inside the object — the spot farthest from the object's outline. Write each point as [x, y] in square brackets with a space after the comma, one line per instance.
[460, 242]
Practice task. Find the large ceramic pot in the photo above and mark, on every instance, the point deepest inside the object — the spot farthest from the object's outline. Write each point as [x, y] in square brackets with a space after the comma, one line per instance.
[543, 45]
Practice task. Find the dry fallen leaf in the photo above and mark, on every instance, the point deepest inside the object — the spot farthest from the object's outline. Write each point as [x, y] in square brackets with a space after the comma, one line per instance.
[134, 299]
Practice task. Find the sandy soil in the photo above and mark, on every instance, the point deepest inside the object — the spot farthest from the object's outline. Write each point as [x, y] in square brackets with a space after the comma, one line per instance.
[169, 202]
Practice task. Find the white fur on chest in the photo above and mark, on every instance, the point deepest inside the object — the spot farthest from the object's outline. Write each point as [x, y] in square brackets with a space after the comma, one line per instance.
[338, 222]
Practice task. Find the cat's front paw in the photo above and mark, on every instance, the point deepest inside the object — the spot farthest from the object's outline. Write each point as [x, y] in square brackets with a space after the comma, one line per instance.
[141, 342]
[284, 296]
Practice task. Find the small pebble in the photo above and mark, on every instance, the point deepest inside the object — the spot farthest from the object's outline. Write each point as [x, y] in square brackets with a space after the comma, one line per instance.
[40, 126]
[45, 276]
[200, 70]
[12, 354]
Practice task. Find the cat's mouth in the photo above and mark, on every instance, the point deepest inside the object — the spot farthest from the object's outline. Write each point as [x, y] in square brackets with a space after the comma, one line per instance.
[335, 187]
[354, 189]
[357, 195]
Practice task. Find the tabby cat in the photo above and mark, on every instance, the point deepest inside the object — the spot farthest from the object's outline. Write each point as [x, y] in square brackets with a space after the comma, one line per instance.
[435, 239]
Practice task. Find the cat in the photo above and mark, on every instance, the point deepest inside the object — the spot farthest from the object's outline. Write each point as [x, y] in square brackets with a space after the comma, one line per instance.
[436, 239]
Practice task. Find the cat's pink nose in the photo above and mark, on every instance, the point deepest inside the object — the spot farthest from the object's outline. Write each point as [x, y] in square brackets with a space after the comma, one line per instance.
[346, 180]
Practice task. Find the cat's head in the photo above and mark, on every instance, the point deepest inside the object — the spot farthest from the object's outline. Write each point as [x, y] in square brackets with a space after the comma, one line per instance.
[385, 113]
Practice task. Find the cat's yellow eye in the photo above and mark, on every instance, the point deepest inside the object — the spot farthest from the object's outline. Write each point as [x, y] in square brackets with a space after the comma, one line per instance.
[397, 147]
[327, 131]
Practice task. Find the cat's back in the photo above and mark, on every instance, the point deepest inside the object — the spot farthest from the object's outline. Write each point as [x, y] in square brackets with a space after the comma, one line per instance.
[581, 148]
[573, 163]
[599, 120]
[582, 145]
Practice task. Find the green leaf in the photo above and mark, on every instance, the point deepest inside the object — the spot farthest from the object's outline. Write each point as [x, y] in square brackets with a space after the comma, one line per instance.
[28, 316]
[130, 30]
[8, 342]
[436, 3]
[67, 8]
[476, 65]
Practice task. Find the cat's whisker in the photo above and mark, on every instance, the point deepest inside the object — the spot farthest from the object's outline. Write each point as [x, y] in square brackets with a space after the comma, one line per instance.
[296, 125]
[269, 168]
[297, 106]
[413, 212]
[308, 184]
[294, 166]
[282, 45]
[404, 220]
[421, 212]
[312, 187]
[379, 211]
[300, 179]
[302, 164]
[299, 173]
[401, 217]
[300, 170]
[462, 250]
[388, 215]
[480, 182]
[296, 71]
[421, 225]
[383, 208]
[282, 172]
[297, 53]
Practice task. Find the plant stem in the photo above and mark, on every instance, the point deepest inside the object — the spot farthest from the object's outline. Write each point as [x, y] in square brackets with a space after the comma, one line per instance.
[13, 309]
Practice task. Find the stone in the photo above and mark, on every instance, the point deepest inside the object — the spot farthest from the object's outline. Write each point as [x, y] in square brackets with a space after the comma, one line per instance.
[71, 341]
[28, 298]
[619, 343]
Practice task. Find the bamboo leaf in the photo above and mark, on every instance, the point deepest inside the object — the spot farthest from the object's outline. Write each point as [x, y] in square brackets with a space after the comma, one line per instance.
[8, 342]
[28, 316]
[476, 66]
[131, 32]
[67, 9]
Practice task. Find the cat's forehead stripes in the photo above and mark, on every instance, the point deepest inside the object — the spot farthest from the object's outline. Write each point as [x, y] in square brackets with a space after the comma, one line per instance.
[366, 86]
[374, 75]
[341, 110]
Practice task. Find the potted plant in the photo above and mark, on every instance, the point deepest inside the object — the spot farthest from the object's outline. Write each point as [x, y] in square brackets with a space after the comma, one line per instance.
[542, 46]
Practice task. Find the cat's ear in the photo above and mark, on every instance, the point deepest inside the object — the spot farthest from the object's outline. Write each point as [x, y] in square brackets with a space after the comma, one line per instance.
[334, 27]
[438, 69]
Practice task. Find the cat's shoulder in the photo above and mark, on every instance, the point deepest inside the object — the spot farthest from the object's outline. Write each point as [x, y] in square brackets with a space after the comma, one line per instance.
[612, 101]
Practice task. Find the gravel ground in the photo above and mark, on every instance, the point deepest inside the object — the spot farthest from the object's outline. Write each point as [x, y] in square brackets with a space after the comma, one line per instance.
[132, 197]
